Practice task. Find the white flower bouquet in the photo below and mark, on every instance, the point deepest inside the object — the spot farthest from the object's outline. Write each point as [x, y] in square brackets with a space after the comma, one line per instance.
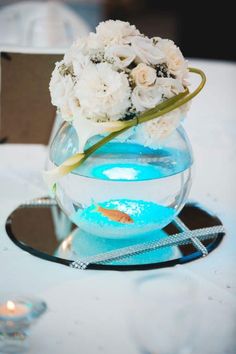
[117, 80]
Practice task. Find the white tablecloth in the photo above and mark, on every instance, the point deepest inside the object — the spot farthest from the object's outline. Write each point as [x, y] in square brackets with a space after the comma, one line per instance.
[107, 312]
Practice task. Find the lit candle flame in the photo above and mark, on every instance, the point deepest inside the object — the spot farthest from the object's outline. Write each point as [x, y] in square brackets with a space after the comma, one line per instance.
[11, 306]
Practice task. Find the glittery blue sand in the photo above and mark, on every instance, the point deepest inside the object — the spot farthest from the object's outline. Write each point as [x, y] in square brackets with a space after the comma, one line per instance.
[147, 217]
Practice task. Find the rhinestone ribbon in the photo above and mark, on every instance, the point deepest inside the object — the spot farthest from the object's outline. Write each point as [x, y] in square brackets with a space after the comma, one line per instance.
[182, 238]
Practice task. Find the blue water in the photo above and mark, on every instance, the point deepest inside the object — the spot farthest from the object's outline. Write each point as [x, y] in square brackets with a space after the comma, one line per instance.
[126, 172]
[132, 162]
[129, 162]
[126, 162]
[147, 217]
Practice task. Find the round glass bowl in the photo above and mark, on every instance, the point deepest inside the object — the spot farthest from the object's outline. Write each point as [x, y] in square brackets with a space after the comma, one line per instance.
[124, 189]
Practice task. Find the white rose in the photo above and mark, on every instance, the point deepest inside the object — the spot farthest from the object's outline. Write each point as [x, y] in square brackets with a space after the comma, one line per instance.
[116, 32]
[144, 75]
[62, 93]
[153, 132]
[146, 51]
[145, 97]
[103, 93]
[169, 87]
[122, 55]
[176, 63]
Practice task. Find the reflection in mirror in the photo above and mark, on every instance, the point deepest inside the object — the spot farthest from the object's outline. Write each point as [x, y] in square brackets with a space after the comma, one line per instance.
[41, 228]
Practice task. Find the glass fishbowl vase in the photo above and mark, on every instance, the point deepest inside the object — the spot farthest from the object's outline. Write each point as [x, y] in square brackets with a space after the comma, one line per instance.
[124, 190]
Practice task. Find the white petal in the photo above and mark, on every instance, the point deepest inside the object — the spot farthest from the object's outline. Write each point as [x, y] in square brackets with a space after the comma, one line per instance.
[86, 128]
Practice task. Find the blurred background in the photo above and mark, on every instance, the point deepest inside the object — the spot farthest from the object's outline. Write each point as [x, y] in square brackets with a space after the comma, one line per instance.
[203, 29]
[35, 34]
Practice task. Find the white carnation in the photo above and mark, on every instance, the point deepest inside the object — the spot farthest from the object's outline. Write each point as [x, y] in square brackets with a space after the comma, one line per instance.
[144, 75]
[116, 32]
[77, 56]
[62, 93]
[83, 45]
[146, 51]
[94, 43]
[121, 55]
[91, 85]
[102, 92]
[176, 63]
[145, 97]
[78, 48]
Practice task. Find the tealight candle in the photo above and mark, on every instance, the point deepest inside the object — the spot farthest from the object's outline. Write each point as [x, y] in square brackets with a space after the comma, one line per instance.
[16, 317]
[11, 309]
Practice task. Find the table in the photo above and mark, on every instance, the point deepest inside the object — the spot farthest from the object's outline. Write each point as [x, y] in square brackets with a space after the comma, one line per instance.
[94, 312]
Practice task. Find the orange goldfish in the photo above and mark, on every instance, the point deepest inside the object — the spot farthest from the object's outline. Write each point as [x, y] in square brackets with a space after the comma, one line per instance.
[115, 215]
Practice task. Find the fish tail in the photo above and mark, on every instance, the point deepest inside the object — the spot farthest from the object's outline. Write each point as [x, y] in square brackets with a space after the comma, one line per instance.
[95, 206]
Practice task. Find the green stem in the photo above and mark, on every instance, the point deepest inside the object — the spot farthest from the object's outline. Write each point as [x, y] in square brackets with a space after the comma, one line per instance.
[161, 109]
[131, 123]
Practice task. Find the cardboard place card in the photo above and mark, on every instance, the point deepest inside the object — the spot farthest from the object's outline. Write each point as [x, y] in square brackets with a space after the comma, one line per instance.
[27, 115]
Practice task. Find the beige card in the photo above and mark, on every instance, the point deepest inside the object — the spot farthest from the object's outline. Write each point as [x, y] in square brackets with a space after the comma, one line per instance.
[27, 114]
